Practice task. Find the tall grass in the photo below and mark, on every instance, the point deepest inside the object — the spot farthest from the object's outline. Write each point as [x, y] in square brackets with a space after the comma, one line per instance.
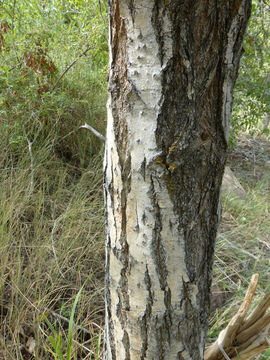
[51, 200]
[51, 240]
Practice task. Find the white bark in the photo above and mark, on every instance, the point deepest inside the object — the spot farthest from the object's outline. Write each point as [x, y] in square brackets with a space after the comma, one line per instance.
[143, 280]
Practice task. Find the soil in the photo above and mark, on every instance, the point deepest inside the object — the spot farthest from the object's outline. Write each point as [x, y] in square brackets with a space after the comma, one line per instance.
[250, 159]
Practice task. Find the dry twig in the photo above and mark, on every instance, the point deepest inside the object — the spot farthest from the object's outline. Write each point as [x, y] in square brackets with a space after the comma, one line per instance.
[31, 162]
[70, 66]
[95, 132]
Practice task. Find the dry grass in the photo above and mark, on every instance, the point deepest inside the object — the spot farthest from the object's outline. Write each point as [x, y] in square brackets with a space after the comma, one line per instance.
[243, 245]
[51, 241]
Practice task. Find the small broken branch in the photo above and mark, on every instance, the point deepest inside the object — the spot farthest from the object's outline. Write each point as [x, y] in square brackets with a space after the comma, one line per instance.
[55, 225]
[70, 66]
[258, 311]
[16, 66]
[31, 162]
[95, 132]
[245, 336]
[105, 27]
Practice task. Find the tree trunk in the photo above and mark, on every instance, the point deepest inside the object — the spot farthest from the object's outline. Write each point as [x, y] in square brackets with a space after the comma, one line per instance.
[173, 65]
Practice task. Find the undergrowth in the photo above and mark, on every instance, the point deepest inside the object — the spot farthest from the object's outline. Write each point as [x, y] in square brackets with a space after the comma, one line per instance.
[51, 200]
[51, 241]
[242, 249]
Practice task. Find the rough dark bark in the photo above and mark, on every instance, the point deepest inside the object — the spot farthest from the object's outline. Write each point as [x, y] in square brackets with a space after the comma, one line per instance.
[186, 91]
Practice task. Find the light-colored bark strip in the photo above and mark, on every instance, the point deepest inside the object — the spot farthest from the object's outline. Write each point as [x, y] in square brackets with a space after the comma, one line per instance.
[150, 244]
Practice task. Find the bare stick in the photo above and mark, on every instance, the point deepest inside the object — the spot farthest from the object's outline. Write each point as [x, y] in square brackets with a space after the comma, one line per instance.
[249, 296]
[258, 312]
[245, 336]
[15, 66]
[95, 132]
[70, 66]
[237, 320]
[228, 335]
[31, 162]
[55, 223]
[261, 324]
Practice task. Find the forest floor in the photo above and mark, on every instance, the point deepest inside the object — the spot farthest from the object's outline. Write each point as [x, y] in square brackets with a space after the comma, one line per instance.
[250, 159]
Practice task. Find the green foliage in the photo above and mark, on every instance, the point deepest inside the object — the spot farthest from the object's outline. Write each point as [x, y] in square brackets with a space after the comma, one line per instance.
[38, 41]
[56, 339]
[252, 94]
[70, 325]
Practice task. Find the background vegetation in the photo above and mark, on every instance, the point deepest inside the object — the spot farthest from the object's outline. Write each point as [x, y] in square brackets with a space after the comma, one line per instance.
[252, 90]
[53, 69]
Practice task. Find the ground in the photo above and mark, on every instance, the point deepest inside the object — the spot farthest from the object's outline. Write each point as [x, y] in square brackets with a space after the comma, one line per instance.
[243, 241]
[250, 159]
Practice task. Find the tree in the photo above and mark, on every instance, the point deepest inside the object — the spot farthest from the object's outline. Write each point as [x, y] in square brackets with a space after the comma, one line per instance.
[173, 65]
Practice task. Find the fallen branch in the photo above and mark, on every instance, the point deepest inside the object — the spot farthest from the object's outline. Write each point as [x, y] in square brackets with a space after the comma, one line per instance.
[244, 336]
[95, 132]
[17, 65]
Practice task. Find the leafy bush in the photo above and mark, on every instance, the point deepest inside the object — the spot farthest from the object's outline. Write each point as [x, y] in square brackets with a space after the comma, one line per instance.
[252, 94]
[39, 40]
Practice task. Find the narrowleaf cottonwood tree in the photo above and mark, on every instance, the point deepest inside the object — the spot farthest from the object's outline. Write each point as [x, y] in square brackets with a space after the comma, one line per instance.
[173, 65]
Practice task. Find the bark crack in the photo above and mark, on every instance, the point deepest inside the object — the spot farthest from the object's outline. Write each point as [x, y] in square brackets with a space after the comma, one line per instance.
[145, 322]
[157, 21]
[158, 250]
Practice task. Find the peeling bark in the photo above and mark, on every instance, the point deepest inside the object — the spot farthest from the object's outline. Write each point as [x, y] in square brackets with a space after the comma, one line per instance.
[173, 65]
